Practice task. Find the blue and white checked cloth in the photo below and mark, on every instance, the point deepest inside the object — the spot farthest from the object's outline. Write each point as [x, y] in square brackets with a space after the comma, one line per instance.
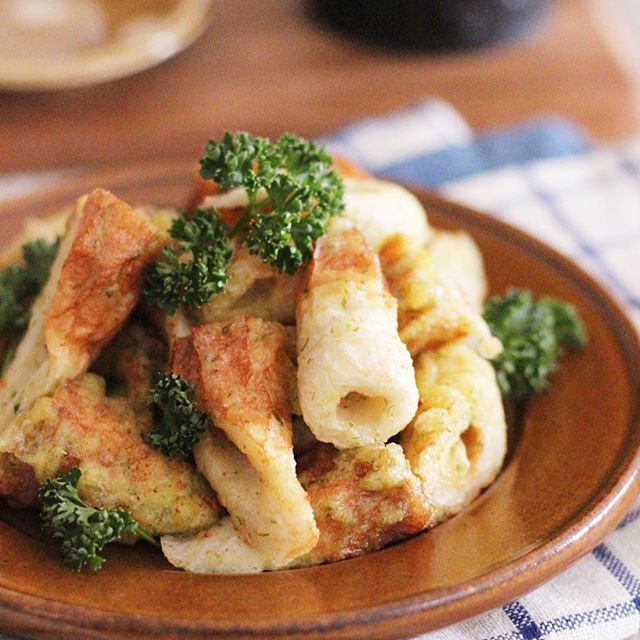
[547, 178]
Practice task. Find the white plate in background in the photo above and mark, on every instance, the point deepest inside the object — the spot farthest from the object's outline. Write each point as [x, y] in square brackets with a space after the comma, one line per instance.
[58, 44]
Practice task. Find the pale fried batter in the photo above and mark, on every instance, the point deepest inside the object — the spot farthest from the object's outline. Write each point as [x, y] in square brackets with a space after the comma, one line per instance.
[455, 254]
[254, 288]
[457, 442]
[79, 426]
[131, 361]
[431, 309]
[363, 499]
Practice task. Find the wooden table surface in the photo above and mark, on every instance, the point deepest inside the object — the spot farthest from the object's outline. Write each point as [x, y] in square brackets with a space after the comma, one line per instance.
[268, 67]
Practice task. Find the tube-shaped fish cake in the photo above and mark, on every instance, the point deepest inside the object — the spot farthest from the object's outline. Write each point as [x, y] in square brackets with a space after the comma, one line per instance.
[80, 426]
[94, 284]
[262, 532]
[355, 376]
[457, 442]
[218, 550]
[242, 371]
[380, 209]
[431, 309]
[455, 254]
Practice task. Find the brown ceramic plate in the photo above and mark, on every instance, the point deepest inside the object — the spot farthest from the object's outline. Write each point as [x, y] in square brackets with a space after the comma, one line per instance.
[571, 474]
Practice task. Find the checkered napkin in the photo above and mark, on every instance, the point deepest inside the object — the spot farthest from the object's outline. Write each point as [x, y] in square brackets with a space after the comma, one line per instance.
[547, 178]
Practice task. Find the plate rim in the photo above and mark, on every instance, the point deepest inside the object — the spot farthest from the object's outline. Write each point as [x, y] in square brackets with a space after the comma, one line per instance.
[577, 536]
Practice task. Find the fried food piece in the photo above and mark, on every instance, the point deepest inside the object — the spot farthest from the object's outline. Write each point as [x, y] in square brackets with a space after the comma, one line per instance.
[363, 499]
[380, 209]
[457, 442]
[241, 370]
[230, 205]
[348, 169]
[254, 288]
[132, 360]
[94, 284]
[218, 550]
[455, 254]
[431, 309]
[171, 328]
[355, 377]
[161, 217]
[80, 426]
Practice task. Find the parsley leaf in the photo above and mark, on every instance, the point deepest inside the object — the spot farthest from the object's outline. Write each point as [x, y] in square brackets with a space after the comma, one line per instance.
[19, 284]
[291, 188]
[179, 422]
[533, 335]
[84, 530]
[292, 192]
[191, 271]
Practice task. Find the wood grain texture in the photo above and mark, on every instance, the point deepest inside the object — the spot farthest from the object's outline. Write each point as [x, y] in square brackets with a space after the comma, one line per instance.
[268, 67]
[572, 473]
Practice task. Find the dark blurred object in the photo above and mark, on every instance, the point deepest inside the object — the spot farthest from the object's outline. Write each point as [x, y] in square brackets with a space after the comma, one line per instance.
[440, 25]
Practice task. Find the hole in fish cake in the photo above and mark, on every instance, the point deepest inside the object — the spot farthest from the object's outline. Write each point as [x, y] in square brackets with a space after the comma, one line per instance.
[472, 440]
[358, 408]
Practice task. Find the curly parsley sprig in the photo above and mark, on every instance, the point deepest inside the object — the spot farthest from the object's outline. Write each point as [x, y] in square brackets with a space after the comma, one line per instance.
[291, 192]
[19, 284]
[534, 336]
[194, 268]
[179, 422]
[291, 189]
[83, 530]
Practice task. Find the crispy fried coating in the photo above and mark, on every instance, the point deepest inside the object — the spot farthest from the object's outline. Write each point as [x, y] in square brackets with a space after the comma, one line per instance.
[80, 426]
[241, 370]
[355, 376]
[431, 309]
[457, 442]
[94, 284]
[363, 499]
[101, 277]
